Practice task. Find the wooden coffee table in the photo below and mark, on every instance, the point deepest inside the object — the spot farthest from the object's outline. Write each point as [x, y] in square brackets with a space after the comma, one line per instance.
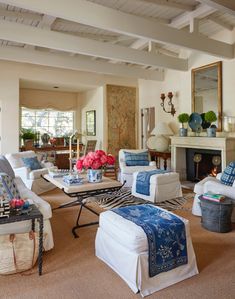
[82, 191]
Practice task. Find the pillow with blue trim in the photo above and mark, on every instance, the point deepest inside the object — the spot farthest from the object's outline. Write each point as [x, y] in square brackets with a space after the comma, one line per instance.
[136, 159]
[32, 163]
[8, 189]
[228, 175]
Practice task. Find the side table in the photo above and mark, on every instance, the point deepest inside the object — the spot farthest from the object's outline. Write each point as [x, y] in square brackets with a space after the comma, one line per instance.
[155, 156]
[216, 216]
[33, 214]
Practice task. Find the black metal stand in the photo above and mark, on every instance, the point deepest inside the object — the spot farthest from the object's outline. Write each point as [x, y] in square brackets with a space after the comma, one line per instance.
[80, 196]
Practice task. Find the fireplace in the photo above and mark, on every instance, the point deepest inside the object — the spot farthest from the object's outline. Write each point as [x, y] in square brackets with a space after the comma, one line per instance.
[224, 146]
[201, 163]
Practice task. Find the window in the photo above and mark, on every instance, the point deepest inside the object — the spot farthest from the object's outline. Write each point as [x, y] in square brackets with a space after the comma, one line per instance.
[55, 123]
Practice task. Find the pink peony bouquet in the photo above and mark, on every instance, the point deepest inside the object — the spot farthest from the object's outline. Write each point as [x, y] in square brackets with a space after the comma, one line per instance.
[95, 160]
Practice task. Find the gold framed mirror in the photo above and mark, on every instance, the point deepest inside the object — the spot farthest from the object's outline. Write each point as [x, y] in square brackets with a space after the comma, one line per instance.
[207, 90]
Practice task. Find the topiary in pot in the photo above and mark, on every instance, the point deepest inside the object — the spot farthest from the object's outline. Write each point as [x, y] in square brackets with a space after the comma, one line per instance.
[211, 117]
[28, 136]
[205, 124]
[183, 118]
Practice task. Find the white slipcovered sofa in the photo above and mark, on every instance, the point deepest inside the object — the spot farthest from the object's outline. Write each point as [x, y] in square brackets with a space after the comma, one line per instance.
[25, 193]
[126, 172]
[214, 185]
[31, 178]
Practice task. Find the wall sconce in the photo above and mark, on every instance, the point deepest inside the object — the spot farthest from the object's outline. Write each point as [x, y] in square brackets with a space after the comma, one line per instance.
[172, 110]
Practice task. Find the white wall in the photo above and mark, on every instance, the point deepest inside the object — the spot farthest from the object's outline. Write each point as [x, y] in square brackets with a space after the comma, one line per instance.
[180, 84]
[9, 126]
[12, 73]
[94, 100]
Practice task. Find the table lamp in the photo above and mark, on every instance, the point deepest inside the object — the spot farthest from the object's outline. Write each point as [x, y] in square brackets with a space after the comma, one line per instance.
[160, 142]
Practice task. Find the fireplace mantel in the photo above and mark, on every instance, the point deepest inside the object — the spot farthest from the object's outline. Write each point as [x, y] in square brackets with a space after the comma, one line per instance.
[179, 144]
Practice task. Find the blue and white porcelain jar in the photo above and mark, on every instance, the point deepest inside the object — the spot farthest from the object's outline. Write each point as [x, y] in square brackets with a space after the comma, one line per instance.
[94, 175]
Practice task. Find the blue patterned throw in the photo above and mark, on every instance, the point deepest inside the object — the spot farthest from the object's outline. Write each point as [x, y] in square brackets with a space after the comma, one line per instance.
[165, 233]
[143, 180]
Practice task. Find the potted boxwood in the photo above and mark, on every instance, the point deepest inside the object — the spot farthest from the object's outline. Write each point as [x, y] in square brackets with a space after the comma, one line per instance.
[211, 117]
[183, 118]
[28, 136]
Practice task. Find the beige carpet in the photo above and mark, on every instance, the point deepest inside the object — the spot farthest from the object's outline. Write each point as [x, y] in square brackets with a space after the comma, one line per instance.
[71, 269]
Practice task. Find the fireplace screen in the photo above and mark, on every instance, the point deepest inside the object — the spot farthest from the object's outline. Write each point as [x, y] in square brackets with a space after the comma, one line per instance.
[201, 163]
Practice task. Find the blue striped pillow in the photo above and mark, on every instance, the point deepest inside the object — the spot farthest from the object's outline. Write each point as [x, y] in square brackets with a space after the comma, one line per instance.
[228, 175]
[136, 159]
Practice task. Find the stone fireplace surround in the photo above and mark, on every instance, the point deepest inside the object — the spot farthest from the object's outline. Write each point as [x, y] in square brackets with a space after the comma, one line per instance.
[178, 153]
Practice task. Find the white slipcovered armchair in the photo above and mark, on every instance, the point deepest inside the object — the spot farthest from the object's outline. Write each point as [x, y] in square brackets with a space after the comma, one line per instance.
[31, 178]
[126, 172]
[42, 205]
[214, 185]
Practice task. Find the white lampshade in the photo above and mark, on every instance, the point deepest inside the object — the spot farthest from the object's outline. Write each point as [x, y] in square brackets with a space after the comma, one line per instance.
[160, 141]
[162, 128]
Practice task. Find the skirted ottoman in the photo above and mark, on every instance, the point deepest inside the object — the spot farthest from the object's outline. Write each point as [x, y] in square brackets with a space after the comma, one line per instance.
[123, 246]
[163, 186]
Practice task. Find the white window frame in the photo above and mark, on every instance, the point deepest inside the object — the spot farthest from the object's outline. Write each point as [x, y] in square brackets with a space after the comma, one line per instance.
[52, 110]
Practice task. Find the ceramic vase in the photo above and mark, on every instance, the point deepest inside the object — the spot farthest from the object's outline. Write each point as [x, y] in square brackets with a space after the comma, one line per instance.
[94, 175]
[211, 132]
[183, 132]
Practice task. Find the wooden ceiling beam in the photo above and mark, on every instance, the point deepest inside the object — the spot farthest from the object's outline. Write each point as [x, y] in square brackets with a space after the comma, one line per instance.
[20, 15]
[78, 63]
[184, 19]
[171, 4]
[223, 24]
[72, 44]
[226, 6]
[92, 14]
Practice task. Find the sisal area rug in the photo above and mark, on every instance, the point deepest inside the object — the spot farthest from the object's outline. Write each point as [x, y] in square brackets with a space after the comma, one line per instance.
[123, 197]
[72, 271]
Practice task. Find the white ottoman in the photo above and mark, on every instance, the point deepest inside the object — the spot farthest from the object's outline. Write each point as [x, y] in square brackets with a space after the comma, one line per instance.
[123, 246]
[163, 186]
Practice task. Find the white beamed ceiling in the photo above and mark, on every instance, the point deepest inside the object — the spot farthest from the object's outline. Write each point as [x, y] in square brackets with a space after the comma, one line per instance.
[128, 54]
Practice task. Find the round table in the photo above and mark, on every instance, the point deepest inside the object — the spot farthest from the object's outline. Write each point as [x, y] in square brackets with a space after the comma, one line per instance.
[216, 216]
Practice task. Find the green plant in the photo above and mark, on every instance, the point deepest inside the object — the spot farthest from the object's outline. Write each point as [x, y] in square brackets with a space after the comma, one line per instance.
[26, 134]
[210, 117]
[183, 118]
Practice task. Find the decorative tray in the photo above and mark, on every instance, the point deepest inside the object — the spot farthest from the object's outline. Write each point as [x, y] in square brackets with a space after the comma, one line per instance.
[58, 173]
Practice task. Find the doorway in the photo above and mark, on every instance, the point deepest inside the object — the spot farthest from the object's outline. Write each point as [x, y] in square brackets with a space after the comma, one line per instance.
[147, 124]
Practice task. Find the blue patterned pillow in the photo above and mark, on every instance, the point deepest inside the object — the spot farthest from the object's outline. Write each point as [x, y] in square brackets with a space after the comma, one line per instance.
[228, 175]
[137, 159]
[8, 189]
[32, 163]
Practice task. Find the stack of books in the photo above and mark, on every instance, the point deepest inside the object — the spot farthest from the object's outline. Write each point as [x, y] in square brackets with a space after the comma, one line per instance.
[213, 197]
[110, 171]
